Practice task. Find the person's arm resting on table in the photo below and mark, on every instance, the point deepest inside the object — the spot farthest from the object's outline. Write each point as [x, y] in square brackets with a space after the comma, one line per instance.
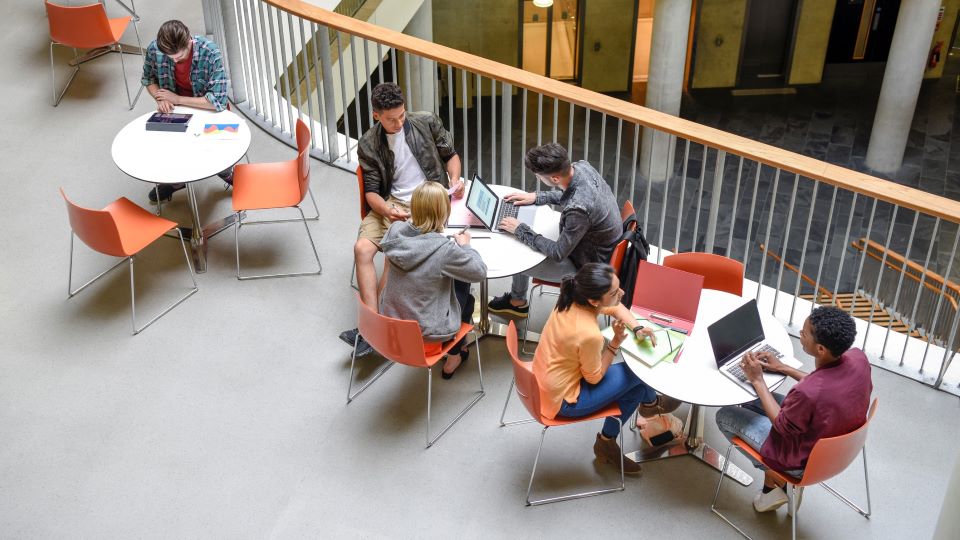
[770, 362]
[575, 226]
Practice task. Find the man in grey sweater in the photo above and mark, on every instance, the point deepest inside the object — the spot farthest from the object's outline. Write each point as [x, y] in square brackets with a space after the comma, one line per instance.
[590, 223]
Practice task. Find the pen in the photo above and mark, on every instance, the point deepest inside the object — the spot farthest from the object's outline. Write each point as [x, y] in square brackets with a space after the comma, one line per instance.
[660, 317]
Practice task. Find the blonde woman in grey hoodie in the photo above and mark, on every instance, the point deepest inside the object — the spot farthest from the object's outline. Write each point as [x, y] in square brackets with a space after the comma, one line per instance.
[429, 274]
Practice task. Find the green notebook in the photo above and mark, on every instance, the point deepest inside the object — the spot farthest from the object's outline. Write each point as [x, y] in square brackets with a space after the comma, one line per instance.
[668, 344]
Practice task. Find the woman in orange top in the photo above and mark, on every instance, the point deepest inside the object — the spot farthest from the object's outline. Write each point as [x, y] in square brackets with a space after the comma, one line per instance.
[574, 367]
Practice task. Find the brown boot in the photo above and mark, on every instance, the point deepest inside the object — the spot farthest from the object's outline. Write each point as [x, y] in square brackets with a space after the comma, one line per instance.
[663, 405]
[608, 451]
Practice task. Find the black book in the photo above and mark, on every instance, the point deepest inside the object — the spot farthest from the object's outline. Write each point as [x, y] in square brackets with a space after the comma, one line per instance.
[168, 122]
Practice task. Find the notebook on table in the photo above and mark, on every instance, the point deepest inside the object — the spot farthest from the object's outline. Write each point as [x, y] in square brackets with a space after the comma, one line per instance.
[737, 333]
[168, 122]
[668, 347]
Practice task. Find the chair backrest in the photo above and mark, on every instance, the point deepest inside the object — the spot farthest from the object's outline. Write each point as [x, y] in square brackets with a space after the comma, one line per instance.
[627, 211]
[526, 382]
[667, 290]
[616, 258]
[364, 207]
[95, 228]
[303, 158]
[719, 273]
[396, 339]
[83, 27]
[831, 455]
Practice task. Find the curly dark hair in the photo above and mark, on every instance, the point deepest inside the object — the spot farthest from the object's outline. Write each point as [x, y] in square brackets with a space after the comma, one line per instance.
[550, 158]
[173, 37]
[833, 328]
[386, 96]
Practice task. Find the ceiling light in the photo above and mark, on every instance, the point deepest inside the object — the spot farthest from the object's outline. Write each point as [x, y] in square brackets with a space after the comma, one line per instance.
[543, 3]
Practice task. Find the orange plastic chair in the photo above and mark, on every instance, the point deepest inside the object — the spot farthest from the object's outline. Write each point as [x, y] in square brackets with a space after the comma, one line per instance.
[528, 390]
[615, 259]
[364, 209]
[830, 456]
[87, 27]
[122, 229]
[401, 341]
[719, 273]
[265, 186]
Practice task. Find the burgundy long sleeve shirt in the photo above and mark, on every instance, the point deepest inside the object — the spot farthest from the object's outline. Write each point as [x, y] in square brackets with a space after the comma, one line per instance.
[831, 401]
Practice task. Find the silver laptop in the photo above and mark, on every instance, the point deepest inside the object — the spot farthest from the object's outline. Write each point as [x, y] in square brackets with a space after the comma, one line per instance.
[739, 332]
[490, 208]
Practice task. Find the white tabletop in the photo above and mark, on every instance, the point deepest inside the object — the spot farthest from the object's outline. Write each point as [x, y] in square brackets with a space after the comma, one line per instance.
[503, 254]
[695, 377]
[165, 157]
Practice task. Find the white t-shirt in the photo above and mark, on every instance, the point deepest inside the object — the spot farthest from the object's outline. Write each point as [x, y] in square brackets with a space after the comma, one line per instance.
[407, 174]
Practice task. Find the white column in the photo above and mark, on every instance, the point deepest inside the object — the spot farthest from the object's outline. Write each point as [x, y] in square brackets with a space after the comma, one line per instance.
[668, 53]
[901, 84]
[423, 73]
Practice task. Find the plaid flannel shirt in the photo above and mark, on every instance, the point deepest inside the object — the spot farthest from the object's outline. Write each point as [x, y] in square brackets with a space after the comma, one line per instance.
[207, 76]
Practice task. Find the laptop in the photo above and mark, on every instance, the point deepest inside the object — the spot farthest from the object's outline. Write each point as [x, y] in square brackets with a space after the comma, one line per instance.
[738, 332]
[490, 208]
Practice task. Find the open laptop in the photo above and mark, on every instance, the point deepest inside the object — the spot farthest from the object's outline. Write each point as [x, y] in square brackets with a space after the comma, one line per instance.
[490, 208]
[736, 333]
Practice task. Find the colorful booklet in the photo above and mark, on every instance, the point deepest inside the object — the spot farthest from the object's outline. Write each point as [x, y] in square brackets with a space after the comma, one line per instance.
[669, 343]
[221, 131]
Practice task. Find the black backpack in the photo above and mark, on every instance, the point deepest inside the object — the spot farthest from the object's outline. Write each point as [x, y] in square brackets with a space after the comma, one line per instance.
[637, 250]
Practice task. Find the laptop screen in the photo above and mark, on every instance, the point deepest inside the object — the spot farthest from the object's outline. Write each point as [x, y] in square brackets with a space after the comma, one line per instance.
[736, 332]
[482, 201]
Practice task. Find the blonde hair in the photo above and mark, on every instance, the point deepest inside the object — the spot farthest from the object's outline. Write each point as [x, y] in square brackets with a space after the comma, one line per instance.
[429, 207]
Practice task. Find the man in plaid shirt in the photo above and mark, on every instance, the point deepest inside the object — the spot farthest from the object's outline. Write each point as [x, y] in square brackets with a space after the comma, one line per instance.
[180, 69]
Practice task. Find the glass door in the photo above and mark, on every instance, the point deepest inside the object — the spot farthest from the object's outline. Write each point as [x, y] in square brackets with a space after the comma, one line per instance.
[550, 37]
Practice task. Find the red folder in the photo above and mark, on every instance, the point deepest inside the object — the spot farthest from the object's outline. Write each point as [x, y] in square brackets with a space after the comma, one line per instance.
[667, 296]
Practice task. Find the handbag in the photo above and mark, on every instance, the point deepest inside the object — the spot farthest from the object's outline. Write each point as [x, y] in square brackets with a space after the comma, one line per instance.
[660, 429]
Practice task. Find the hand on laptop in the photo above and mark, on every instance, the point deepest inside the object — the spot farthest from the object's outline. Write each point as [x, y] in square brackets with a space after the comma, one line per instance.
[769, 362]
[752, 367]
[509, 224]
[521, 199]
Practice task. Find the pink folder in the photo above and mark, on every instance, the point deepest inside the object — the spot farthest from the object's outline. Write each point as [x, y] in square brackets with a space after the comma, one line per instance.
[667, 296]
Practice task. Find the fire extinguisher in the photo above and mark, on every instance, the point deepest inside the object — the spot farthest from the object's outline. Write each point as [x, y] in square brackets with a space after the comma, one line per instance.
[935, 55]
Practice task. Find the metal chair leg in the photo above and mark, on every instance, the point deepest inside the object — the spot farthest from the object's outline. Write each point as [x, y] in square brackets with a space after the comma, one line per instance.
[53, 76]
[866, 481]
[476, 397]
[716, 494]
[353, 361]
[70, 292]
[171, 306]
[504, 411]
[538, 502]
[237, 224]
[123, 68]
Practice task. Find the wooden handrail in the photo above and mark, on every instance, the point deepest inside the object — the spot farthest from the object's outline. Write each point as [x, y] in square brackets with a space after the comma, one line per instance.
[933, 281]
[809, 167]
[820, 288]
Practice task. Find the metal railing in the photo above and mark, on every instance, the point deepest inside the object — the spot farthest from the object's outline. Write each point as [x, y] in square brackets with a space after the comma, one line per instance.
[694, 187]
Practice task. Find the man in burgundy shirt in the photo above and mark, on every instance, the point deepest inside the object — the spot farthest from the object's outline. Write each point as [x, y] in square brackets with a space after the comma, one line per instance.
[830, 401]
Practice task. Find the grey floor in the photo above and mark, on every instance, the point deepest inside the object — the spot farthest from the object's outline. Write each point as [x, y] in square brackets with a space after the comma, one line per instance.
[226, 419]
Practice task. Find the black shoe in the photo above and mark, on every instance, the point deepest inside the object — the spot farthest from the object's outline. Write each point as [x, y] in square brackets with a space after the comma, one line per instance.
[166, 192]
[350, 337]
[501, 305]
[227, 178]
[464, 355]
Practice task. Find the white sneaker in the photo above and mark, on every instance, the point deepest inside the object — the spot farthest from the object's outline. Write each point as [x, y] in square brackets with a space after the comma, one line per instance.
[765, 502]
[799, 500]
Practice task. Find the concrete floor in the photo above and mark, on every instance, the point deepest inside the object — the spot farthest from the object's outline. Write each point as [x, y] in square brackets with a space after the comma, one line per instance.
[226, 419]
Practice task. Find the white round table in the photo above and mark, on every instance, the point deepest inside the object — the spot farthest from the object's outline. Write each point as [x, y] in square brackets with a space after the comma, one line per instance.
[695, 379]
[163, 157]
[504, 255]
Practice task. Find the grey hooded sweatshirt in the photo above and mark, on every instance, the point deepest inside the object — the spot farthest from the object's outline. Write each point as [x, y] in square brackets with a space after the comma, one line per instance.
[422, 267]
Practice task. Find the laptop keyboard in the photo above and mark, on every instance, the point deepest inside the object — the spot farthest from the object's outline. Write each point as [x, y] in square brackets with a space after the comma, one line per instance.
[737, 371]
[507, 209]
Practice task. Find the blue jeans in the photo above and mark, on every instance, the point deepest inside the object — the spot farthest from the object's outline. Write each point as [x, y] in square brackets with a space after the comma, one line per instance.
[750, 423]
[618, 385]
